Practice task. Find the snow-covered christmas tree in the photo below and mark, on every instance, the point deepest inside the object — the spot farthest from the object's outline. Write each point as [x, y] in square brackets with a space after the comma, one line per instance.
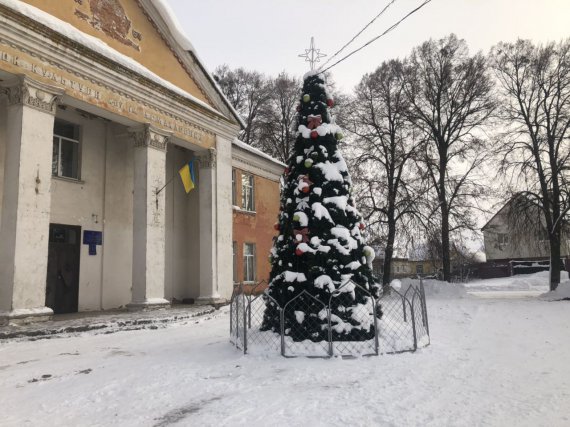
[320, 247]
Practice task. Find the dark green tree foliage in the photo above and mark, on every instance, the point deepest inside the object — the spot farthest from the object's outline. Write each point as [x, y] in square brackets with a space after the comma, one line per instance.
[320, 246]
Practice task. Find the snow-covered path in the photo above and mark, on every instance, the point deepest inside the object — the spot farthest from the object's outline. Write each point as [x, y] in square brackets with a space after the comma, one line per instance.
[499, 362]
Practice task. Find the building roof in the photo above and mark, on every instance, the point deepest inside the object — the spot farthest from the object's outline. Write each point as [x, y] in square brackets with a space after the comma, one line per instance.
[242, 145]
[178, 33]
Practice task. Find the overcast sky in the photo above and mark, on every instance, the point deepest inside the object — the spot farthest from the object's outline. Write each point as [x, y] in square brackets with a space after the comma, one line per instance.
[267, 35]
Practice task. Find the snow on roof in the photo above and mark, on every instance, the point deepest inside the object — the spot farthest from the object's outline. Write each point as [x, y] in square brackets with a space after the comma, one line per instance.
[173, 25]
[177, 32]
[104, 49]
[255, 151]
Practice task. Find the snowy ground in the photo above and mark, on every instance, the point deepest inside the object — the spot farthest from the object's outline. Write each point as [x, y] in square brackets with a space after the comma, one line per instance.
[493, 361]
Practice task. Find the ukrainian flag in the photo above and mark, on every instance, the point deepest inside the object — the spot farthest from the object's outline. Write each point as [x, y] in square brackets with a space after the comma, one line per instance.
[186, 173]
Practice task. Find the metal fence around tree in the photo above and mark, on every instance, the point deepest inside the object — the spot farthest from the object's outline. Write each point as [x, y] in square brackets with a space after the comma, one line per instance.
[398, 318]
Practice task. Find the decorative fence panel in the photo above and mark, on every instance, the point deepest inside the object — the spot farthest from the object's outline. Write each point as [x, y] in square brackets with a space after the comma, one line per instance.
[393, 323]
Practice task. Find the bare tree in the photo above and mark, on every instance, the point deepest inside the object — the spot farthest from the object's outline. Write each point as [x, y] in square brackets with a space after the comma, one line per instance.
[277, 135]
[535, 148]
[249, 93]
[450, 96]
[383, 148]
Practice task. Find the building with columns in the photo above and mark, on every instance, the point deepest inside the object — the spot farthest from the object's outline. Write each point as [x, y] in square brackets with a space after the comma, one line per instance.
[101, 103]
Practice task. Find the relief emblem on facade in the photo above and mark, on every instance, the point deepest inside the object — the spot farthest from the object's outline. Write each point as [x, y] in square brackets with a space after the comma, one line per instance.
[110, 17]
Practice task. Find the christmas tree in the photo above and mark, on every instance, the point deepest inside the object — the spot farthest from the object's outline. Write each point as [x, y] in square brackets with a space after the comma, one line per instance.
[320, 247]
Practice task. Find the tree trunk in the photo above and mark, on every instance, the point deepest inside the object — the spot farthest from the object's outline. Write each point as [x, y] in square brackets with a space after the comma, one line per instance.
[388, 254]
[445, 258]
[554, 260]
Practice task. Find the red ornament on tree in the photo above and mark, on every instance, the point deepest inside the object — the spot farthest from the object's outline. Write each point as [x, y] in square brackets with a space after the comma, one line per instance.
[276, 226]
[361, 226]
[330, 103]
[299, 252]
[314, 134]
[306, 189]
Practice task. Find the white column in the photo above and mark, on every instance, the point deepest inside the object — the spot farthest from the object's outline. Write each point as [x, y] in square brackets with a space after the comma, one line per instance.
[149, 217]
[224, 217]
[215, 224]
[207, 218]
[24, 232]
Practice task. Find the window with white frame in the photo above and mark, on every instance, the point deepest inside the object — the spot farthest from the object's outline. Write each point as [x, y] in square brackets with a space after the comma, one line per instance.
[65, 159]
[234, 201]
[249, 262]
[247, 192]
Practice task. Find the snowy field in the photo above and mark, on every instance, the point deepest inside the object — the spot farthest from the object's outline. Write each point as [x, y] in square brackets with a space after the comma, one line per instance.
[493, 361]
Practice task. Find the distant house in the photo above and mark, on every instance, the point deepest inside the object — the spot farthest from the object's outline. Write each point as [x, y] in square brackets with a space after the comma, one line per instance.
[405, 267]
[507, 242]
[515, 249]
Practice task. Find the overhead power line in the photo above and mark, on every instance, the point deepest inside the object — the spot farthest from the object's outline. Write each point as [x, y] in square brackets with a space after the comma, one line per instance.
[359, 33]
[377, 37]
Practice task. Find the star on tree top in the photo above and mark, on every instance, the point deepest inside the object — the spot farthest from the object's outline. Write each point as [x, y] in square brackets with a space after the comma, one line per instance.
[312, 55]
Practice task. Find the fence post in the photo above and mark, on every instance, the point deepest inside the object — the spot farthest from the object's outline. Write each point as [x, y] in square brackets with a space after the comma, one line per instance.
[249, 312]
[424, 305]
[237, 318]
[330, 329]
[413, 324]
[376, 331]
[282, 327]
[245, 324]
[232, 313]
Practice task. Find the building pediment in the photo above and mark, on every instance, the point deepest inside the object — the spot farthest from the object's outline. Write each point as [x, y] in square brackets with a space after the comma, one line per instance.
[144, 31]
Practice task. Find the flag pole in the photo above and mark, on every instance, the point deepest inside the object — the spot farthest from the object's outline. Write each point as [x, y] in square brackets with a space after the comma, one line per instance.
[169, 181]
[164, 186]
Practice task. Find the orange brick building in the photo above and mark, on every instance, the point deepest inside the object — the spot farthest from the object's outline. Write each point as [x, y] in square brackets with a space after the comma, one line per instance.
[255, 200]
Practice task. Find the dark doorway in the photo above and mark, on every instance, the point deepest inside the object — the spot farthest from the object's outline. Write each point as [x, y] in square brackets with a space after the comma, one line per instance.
[62, 288]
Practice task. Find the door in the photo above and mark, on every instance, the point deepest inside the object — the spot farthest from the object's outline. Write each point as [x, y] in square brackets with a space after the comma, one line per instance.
[62, 287]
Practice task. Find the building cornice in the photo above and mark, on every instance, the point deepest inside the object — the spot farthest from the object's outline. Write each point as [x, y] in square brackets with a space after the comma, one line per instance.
[250, 162]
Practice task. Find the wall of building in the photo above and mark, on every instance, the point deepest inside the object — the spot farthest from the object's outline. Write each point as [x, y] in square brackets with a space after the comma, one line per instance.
[81, 203]
[519, 246]
[256, 227]
[2, 148]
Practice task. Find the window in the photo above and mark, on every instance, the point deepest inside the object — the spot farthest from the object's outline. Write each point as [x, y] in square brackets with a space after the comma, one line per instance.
[249, 262]
[65, 159]
[247, 192]
[419, 268]
[503, 239]
[543, 236]
[234, 249]
[234, 202]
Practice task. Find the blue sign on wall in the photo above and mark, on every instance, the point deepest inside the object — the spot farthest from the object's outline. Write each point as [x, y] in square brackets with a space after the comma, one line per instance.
[92, 238]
